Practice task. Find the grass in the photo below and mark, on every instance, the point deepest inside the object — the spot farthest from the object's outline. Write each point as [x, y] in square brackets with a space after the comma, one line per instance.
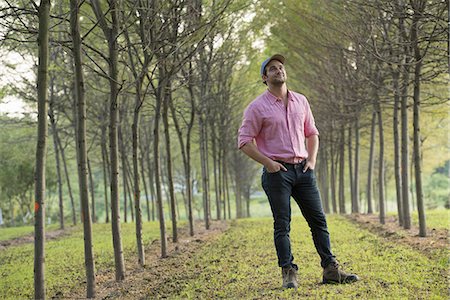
[64, 259]
[435, 218]
[15, 232]
[242, 264]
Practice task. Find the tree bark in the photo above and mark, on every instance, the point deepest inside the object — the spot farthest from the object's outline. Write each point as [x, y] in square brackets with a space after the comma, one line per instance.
[370, 168]
[69, 186]
[404, 134]
[165, 116]
[397, 174]
[382, 210]
[82, 150]
[92, 189]
[350, 169]
[105, 173]
[57, 158]
[418, 7]
[203, 158]
[41, 150]
[341, 171]
[357, 144]
[111, 34]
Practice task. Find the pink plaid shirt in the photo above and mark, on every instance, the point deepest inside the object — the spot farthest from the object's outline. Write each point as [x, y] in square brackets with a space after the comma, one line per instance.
[279, 133]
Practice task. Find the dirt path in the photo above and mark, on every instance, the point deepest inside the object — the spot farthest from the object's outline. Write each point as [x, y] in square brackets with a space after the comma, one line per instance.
[436, 238]
[29, 238]
[152, 277]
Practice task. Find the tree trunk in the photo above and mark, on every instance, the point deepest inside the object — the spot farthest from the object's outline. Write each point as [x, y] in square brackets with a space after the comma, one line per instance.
[350, 169]
[69, 186]
[165, 116]
[105, 173]
[157, 161]
[203, 158]
[404, 135]
[186, 155]
[333, 174]
[397, 174]
[41, 150]
[370, 167]
[91, 185]
[341, 171]
[151, 175]
[356, 183]
[382, 210]
[58, 163]
[82, 150]
[124, 175]
[418, 7]
[144, 180]
[111, 35]
[216, 164]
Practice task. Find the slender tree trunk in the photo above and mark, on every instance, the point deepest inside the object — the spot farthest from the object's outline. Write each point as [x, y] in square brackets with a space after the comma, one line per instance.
[69, 186]
[203, 158]
[418, 7]
[91, 185]
[41, 150]
[144, 181]
[82, 150]
[397, 174]
[356, 183]
[124, 175]
[370, 168]
[151, 172]
[333, 174]
[405, 136]
[186, 155]
[382, 210]
[105, 173]
[215, 170]
[57, 156]
[341, 171]
[157, 161]
[129, 188]
[111, 34]
[226, 185]
[350, 170]
[165, 116]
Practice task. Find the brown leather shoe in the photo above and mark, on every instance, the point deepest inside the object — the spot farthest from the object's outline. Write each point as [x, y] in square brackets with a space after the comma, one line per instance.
[289, 277]
[333, 274]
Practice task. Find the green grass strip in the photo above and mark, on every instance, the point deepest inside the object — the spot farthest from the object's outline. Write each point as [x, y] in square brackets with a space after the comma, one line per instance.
[242, 264]
[64, 259]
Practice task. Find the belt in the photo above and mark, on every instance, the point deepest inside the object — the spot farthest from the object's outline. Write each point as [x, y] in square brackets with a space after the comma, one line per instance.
[290, 165]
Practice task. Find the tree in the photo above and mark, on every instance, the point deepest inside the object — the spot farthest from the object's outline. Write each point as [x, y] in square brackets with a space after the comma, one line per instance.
[82, 149]
[41, 150]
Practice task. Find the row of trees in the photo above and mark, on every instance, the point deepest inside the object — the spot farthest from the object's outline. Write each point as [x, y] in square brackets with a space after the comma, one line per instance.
[363, 62]
[168, 68]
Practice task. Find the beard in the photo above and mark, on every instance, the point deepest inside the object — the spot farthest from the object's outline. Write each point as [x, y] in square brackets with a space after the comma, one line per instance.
[278, 80]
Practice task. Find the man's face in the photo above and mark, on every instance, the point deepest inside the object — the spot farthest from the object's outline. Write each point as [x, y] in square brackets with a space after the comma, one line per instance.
[275, 73]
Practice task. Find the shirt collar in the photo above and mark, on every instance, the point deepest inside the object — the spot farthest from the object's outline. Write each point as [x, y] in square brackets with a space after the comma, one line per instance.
[273, 99]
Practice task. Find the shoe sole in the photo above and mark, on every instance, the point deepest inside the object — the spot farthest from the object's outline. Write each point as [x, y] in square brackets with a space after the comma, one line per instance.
[328, 281]
[289, 286]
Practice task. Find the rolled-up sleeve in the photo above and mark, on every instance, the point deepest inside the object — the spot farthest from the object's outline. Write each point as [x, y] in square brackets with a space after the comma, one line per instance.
[250, 127]
[309, 125]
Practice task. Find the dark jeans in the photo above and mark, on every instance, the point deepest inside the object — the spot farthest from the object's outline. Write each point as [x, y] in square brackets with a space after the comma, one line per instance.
[279, 187]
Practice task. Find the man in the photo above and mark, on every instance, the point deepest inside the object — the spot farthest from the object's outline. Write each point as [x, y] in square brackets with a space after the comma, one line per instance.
[274, 130]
